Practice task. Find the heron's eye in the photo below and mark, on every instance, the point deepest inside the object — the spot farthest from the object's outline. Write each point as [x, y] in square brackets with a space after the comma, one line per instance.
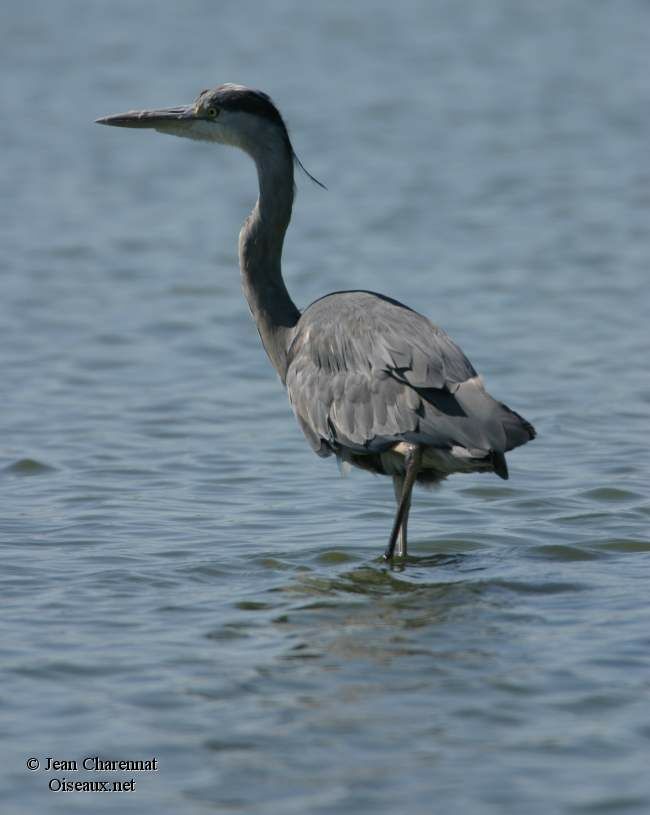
[212, 113]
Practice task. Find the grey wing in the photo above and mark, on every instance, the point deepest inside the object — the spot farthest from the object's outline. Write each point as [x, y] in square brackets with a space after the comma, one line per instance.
[365, 372]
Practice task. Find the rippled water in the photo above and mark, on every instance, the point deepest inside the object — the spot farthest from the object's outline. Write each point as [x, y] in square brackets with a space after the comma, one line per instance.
[181, 577]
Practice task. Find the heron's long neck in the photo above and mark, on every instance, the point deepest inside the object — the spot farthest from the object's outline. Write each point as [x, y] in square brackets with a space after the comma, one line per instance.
[260, 254]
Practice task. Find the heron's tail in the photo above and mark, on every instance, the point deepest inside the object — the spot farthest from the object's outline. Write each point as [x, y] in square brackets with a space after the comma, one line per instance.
[494, 427]
[489, 424]
[517, 429]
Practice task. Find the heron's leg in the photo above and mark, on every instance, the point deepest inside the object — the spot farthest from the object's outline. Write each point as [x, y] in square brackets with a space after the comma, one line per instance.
[398, 486]
[412, 460]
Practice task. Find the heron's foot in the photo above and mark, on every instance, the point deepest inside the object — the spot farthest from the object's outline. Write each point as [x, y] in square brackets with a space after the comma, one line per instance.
[389, 554]
[394, 553]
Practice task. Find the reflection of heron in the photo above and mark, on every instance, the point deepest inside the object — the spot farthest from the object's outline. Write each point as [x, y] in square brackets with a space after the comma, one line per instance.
[369, 379]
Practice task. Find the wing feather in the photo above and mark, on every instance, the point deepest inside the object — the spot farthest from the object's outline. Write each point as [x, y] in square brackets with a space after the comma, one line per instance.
[365, 371]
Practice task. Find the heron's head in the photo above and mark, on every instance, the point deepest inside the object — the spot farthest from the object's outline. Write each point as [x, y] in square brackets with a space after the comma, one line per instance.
[228, 114]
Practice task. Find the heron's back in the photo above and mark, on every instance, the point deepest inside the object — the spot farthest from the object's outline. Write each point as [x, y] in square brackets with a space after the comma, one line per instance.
[366, 373]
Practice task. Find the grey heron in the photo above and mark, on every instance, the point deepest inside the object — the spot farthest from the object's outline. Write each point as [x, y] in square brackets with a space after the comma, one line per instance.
[370, 380]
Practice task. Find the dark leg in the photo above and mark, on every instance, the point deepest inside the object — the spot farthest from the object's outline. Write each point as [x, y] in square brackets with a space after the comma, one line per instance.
[401, 547]
[412, 460]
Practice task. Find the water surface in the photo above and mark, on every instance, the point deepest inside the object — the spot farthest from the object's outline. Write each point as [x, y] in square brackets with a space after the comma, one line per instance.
[181, 577]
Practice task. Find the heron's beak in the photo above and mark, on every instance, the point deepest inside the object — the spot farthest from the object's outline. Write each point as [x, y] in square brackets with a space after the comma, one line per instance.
[151, 118]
